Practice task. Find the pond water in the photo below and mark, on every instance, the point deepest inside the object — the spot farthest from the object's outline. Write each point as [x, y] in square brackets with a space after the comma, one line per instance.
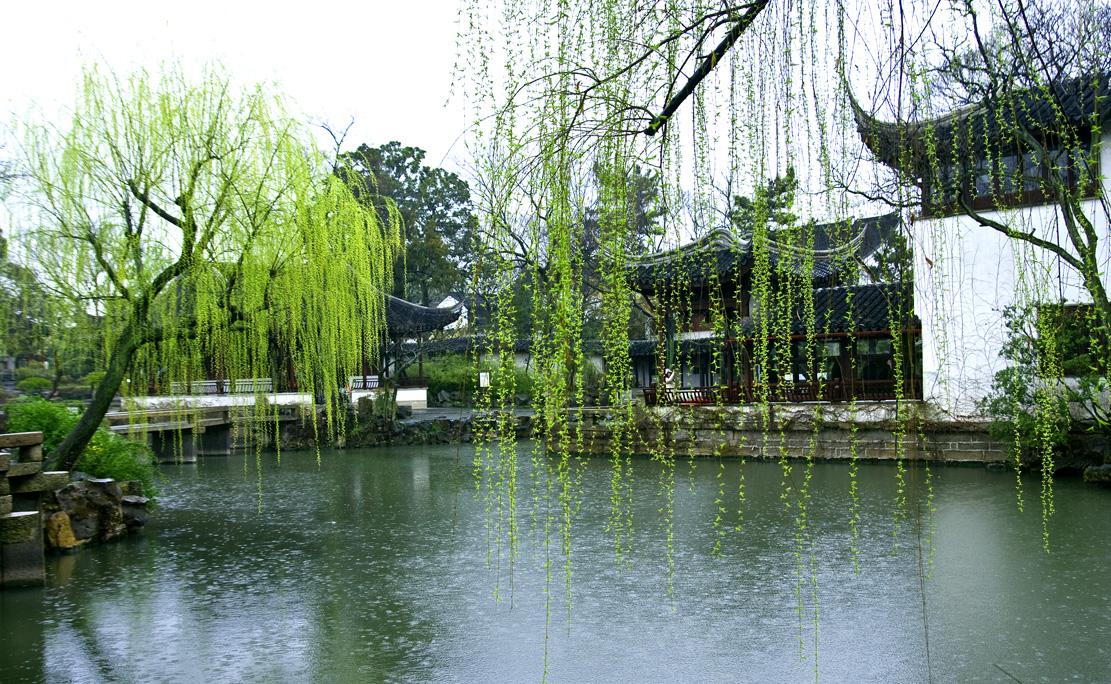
[373, 565]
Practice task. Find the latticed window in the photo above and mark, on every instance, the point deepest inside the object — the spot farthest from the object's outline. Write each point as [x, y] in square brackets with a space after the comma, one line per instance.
[1009, 180]
[874, 360]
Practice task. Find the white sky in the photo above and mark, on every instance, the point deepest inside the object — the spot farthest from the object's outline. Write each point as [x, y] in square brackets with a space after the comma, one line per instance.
[386, 64]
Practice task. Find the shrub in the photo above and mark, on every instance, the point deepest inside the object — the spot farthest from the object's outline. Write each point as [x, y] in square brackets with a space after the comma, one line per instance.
[24, 372]
[38, 415]
[108, 454]
[93, 379]
[448, 373]
[457, 374]
[73, 392]
[33, 384]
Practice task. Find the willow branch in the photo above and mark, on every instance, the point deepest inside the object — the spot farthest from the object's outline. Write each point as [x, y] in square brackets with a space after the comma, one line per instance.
[144, 197]
[706, 66]
[1053, 247]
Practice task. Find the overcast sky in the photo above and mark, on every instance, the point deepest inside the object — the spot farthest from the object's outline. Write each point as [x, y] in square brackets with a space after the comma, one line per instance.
[387, 64]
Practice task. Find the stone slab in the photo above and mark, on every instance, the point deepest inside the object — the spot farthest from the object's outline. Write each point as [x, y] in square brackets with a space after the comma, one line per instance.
[18, 527]
[5, 461]
[24, 469]
[5, 504]
[18, 439]
[5, 489]
[49, 481]
[21, 564]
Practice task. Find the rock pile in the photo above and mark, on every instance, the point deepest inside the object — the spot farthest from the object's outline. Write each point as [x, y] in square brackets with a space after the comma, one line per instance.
[90, 509]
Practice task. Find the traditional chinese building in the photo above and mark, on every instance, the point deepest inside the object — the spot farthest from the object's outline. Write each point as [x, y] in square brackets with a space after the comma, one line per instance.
[822, 336]
[992, 179]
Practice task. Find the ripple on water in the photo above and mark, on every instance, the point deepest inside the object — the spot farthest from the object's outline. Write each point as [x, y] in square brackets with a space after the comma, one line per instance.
[357, 570]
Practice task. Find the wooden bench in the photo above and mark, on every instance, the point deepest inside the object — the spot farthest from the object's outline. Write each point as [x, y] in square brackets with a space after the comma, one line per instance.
[363, 382]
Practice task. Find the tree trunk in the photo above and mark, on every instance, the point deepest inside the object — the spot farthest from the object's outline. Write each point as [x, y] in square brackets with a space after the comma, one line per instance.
[66, 455]
[57, 377]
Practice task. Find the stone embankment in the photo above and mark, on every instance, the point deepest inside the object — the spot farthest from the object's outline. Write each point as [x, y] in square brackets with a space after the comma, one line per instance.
[43, 510]
[870, 430]
[412, 429]
[22, 485]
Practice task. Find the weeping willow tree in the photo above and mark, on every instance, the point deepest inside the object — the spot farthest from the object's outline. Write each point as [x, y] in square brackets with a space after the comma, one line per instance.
[566, 99]
[997, 143]
[194, 224]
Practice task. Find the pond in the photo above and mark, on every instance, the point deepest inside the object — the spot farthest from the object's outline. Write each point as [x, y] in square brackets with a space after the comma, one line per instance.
[375, 564]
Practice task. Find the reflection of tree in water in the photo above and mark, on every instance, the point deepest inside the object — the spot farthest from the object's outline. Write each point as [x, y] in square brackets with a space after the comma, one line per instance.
[383, 524]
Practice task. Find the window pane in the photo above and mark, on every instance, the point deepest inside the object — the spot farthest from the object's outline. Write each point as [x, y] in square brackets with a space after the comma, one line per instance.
[1031, 171]
[1009, 175]
[983, 179]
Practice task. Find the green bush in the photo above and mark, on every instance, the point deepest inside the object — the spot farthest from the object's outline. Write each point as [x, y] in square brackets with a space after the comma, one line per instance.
[108, 454]
[38, 415]
[448, 373]
[93, 379]
[33, 384]
[1019, 392]
[457, 374]
[73, 392]
[24, 372]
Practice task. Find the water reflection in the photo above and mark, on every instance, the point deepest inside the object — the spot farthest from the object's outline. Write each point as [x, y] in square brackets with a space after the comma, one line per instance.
[373, 566]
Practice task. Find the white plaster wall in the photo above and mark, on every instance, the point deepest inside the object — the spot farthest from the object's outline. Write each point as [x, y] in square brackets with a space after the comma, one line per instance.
[965, 275]
[521, 360]
[220, 400]
[413, 397]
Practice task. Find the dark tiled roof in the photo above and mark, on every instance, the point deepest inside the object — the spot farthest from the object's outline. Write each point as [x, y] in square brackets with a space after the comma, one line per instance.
[728, 254]
[404, 319]
[872, 308]
[964, 132]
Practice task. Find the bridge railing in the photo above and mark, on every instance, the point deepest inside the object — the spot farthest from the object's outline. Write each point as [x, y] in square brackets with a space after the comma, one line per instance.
[242, 386]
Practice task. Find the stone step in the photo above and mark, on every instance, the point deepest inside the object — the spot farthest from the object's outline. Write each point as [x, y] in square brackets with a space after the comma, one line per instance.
[18, 527]
[5, 504]
[19, 439]
[5, 461]
[48, 481]
[24, 469]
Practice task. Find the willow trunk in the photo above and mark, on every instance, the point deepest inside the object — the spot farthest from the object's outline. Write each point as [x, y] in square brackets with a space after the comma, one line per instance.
[69, 451]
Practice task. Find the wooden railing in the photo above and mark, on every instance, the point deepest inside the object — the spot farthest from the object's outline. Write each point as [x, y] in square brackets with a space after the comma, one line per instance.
[833, 390]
